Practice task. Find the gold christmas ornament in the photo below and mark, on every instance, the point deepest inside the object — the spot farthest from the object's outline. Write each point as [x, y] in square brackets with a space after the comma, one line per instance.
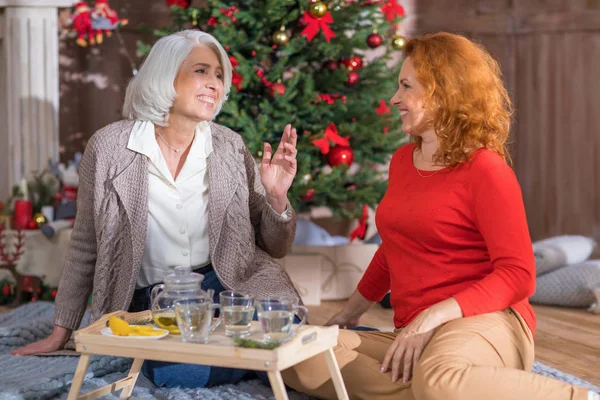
[40, 219]
[398, 42]
[281, 37]
[318, 9]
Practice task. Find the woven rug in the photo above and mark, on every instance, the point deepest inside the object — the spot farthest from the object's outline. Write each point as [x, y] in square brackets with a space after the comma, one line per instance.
[50, 377]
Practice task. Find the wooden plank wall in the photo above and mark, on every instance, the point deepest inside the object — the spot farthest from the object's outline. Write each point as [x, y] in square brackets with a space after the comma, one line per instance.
[550, 54]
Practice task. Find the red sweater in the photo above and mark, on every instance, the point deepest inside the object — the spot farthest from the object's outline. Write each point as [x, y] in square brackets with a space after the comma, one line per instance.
[461, 232]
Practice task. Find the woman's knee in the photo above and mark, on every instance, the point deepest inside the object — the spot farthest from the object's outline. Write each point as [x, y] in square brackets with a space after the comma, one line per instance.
[438, 380]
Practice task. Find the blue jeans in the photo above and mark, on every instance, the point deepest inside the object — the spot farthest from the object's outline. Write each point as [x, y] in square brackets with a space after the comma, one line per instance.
[166, 374]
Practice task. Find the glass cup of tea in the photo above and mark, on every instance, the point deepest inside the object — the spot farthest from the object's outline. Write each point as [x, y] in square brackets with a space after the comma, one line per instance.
[195, 318]
[237, 311]
[276, 316]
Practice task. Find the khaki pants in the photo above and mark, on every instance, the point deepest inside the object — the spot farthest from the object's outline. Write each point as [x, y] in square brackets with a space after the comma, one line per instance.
[485, 357]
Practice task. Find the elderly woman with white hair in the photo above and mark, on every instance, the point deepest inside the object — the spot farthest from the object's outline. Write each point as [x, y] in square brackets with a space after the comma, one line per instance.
[167, 186]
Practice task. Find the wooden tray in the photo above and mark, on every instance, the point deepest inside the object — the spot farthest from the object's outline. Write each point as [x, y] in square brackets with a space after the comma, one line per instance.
[220, 351]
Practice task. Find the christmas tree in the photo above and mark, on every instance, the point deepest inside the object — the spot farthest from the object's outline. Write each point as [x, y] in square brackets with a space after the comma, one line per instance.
[304, 63]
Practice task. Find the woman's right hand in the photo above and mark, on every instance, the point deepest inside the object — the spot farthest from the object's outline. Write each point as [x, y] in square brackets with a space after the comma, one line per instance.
[56, 341]
[342, 320]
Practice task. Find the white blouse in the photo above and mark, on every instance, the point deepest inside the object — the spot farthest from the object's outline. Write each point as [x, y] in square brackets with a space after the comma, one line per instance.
[177, 232]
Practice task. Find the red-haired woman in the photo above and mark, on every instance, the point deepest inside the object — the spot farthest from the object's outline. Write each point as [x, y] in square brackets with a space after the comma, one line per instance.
[455, 254]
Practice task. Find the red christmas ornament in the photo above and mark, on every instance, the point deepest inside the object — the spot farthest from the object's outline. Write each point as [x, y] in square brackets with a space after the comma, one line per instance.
[340, 155]
[5, 289]
[278, 89]
[32, 225]
[310, 194]
[179, 3]
[353, 63]
[53, 294]
[331, 65]
[374, 40]
[353, 78]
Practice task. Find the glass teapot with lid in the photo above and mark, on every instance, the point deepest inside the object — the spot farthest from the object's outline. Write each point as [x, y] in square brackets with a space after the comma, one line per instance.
[182, 284]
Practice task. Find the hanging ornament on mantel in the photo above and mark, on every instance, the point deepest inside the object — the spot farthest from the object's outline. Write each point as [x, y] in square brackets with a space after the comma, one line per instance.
[374, 40]
[281, 37]
[398, 42]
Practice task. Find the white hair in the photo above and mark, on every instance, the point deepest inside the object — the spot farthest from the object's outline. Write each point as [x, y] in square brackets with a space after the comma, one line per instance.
[151, 92]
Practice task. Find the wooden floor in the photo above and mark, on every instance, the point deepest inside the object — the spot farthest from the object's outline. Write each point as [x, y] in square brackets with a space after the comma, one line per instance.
[566, 339]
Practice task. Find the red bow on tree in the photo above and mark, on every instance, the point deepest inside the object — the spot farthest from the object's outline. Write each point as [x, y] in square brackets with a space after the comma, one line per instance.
[361, 229]
[313, 25]
[331, 133]
[383, 108]
[391, 9]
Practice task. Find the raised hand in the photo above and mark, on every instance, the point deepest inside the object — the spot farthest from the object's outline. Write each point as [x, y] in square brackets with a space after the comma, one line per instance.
[277, 170]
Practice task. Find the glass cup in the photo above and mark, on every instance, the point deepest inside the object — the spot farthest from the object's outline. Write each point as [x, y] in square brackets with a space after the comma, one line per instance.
[237, 311]
[276, 316]
[195, 318]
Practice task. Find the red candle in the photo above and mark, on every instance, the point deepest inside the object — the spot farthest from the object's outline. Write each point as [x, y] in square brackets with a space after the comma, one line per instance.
[23, 213]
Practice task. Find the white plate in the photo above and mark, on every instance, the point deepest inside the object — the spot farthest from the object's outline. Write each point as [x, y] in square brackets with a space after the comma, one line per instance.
[108, 332]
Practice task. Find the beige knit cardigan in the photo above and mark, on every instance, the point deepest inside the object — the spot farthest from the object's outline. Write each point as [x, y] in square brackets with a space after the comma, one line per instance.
[108, 239]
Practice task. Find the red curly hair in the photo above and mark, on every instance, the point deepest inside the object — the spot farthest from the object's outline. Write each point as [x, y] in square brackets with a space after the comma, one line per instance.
[465, 95]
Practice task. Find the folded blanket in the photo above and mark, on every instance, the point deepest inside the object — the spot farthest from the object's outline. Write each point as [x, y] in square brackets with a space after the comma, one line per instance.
[569, 286]
[558, 251]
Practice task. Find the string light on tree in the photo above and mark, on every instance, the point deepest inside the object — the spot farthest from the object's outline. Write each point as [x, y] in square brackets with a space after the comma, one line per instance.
[306, 178]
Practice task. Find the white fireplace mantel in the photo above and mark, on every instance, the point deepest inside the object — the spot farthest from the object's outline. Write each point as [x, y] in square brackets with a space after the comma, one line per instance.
[28, 87]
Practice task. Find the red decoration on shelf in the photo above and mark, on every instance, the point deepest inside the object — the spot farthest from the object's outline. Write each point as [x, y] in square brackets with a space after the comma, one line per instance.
[309, 195]
[23, 212]
[383, 108]
[331, 133]
[353, 78]
[340, 155]
[352, 63]
[374, 40]
[313, 25]
[392, 10]
[361, 229]
[179, 3]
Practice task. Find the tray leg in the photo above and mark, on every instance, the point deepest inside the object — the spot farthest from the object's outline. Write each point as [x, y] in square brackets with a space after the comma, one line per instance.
[336, 375]
[82, 366]
[133, 374]
[277, 385]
